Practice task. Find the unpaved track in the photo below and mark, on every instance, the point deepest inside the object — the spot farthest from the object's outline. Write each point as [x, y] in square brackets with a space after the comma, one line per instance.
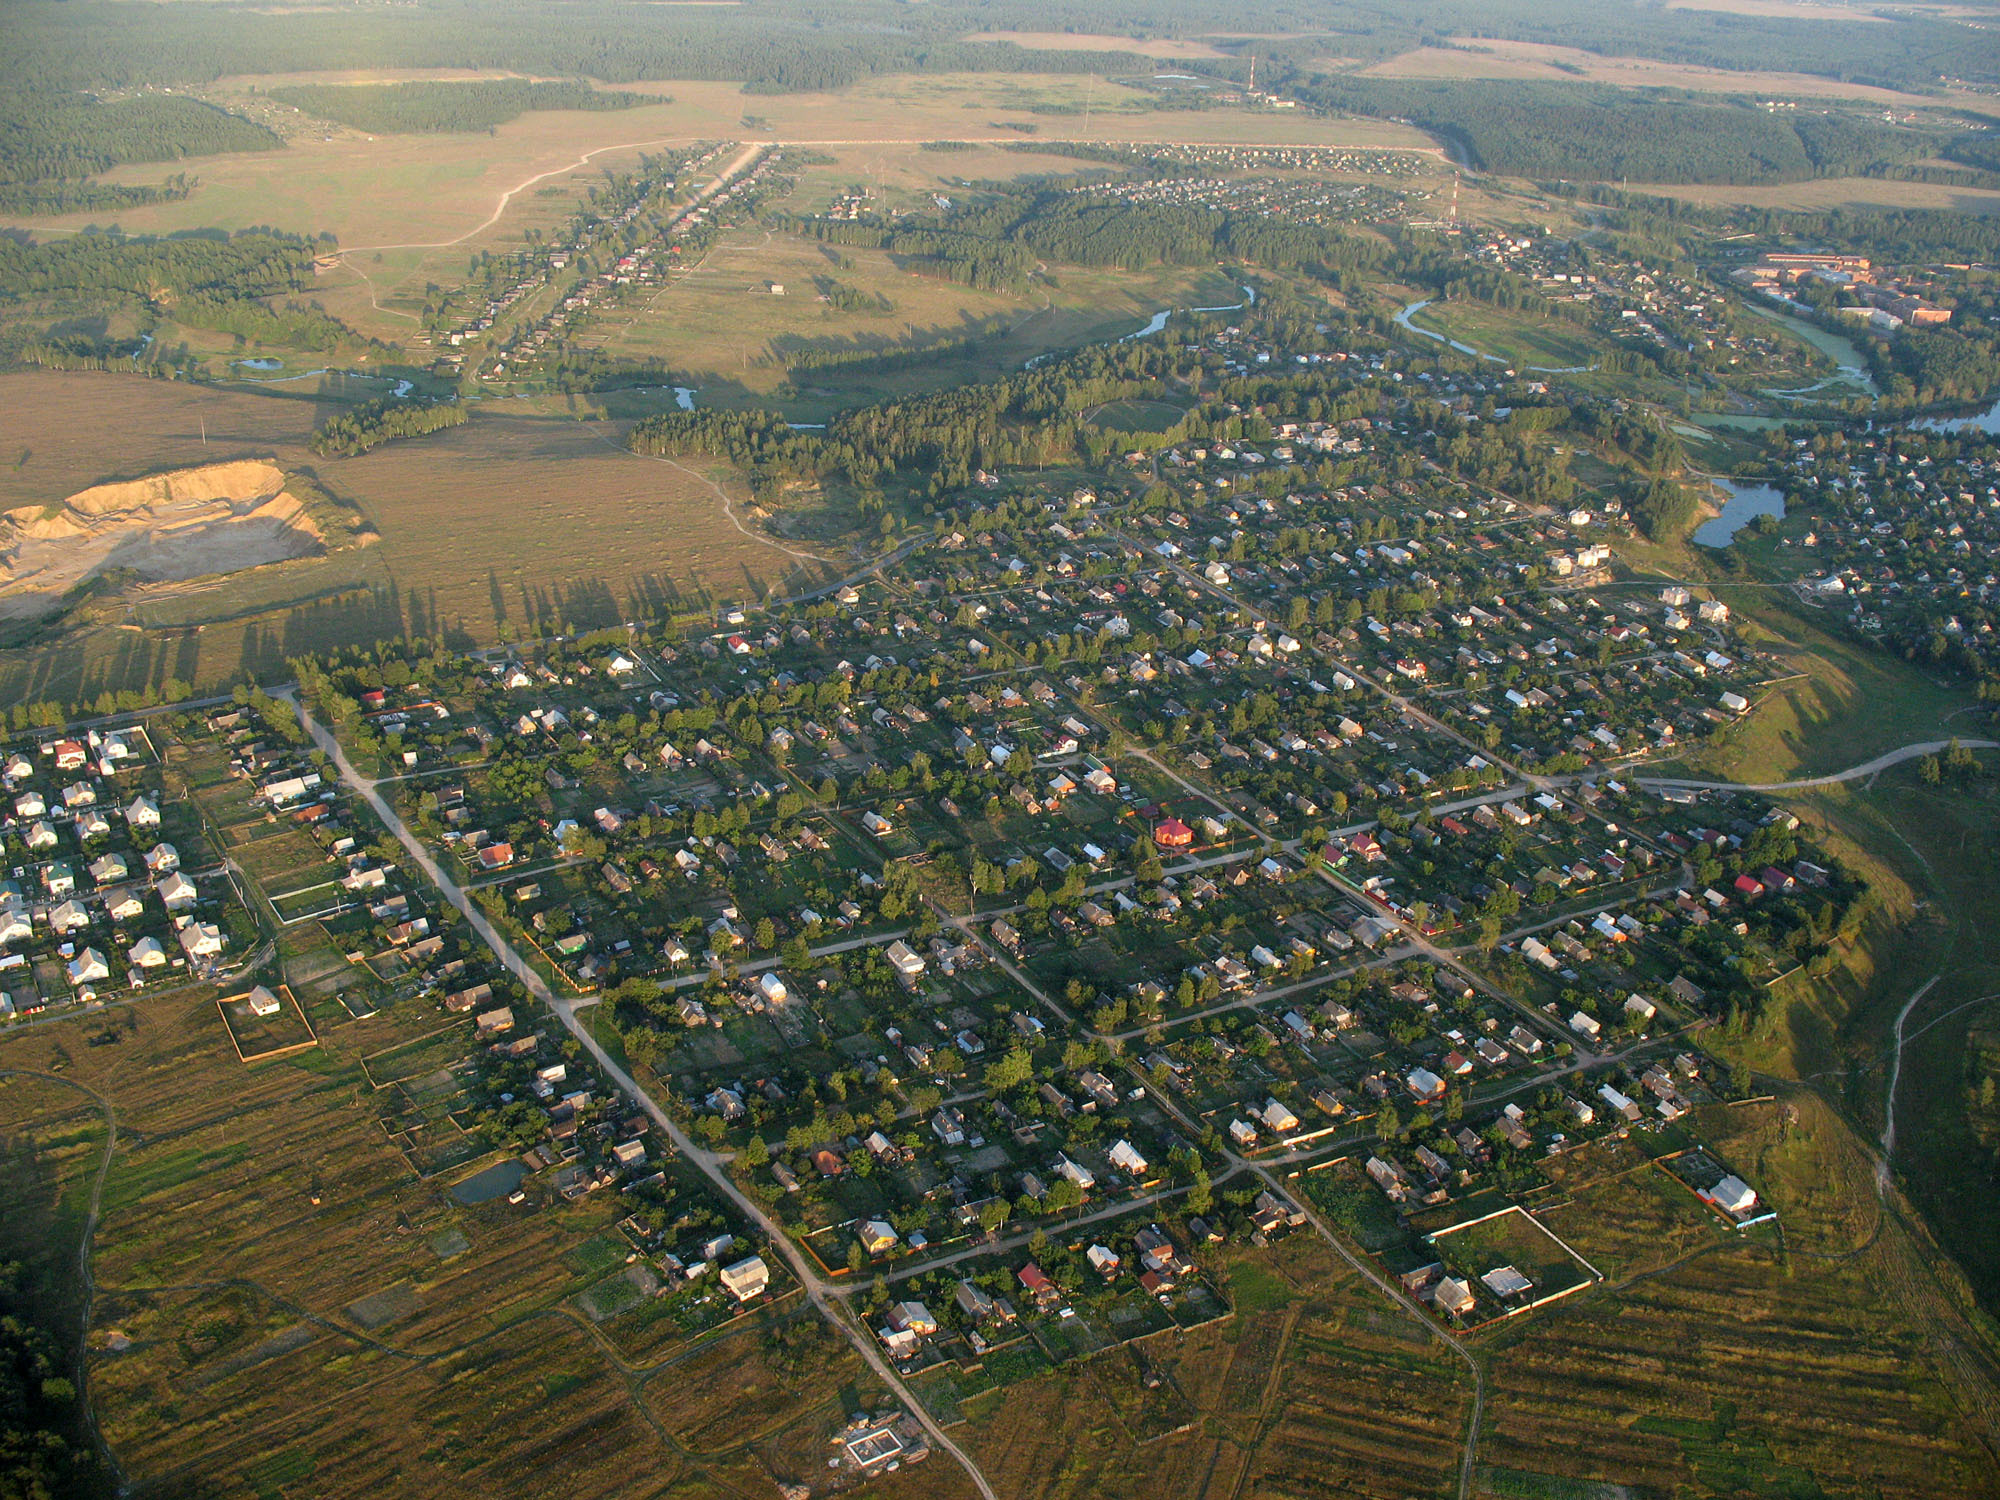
[1852, 773]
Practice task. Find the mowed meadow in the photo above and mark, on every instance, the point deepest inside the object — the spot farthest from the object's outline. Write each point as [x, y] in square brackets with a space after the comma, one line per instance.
[517, 520]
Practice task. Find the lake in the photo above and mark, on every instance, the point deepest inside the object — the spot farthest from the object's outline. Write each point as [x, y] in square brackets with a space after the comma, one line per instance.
[496, 1181]
[1987, 421]
[1746, 502]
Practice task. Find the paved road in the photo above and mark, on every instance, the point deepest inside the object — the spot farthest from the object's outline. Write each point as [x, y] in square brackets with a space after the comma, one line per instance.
[708, 1162]
[1852, 773]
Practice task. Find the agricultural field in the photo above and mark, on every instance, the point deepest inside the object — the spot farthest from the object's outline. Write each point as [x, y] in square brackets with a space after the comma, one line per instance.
[1840, 1313]
[453, 514]
[1826, 193]
[277, 1294]
[1317, 1375]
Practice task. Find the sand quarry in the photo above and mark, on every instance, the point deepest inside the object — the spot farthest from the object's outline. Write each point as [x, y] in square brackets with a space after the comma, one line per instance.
[190, 523]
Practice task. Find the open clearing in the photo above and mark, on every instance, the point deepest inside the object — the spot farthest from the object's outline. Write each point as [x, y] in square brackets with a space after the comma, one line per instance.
[1517, 338]
[1860, 194]
[383, 192]
[746, 351]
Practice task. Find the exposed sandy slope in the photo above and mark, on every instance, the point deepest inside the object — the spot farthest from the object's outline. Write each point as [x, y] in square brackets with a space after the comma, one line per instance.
[189, 523]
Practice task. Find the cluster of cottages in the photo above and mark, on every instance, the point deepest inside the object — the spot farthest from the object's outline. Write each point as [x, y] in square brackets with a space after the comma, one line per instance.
[97, 871]
[643, 264]
[986, 1320]
[1421, 1174]
[1904, 542]
[1625, 297]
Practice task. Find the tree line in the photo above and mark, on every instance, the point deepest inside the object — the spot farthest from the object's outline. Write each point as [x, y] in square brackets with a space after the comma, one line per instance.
[68, 196]
[48, 134]
[377, 422]
[254, 263]
[1590, 132]
[439, 108]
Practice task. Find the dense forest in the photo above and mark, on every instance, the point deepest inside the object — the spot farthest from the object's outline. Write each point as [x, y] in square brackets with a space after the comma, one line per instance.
[295, 325]
[437, 108]
[45, 135]
[377, 422]
[1583, 131]
[770, 47]
[798, 44]
[996, 244]
[39, 1419]
[255, 263]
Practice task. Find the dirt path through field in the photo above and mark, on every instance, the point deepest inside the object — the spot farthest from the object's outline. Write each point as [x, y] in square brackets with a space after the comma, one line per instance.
[1895, 1075]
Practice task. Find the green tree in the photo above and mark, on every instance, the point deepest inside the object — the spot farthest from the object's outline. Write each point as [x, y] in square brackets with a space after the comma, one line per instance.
[1010, 1071]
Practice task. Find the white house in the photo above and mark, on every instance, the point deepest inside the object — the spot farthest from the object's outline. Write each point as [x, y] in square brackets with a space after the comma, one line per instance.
[201, 940]
[263, 1002]
[905, 959]
[108, 869]
[1127, 1160]
[88, 967]
[163, 859]
[69, 917]
[177, 892]
[1733, 1196]
[147, 953]
[747, 1278]
[143, 813]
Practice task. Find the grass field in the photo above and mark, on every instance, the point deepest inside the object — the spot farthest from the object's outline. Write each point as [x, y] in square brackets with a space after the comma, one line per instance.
[1929, 851]
[721, 329]
[1520, 340]
[442, 193]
